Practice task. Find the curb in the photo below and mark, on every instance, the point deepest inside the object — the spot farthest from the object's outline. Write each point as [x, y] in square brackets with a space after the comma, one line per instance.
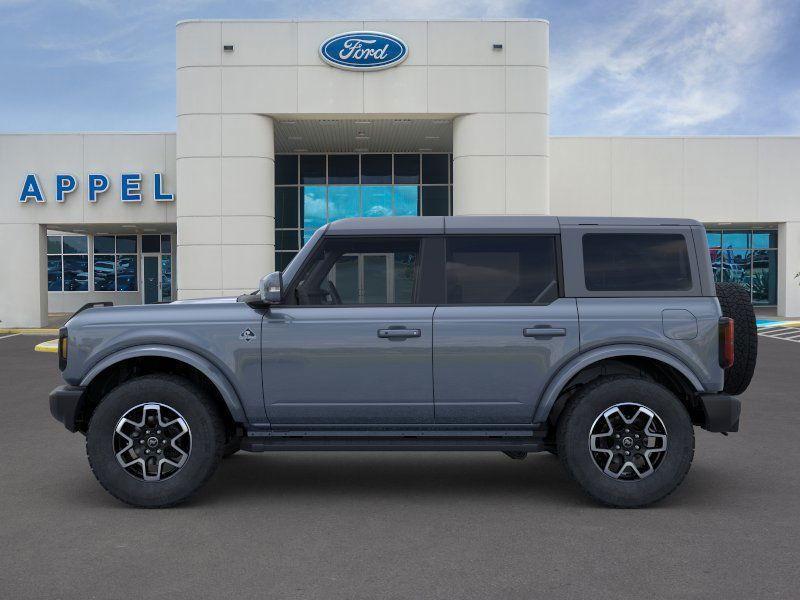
[29, 331]
[48, 346]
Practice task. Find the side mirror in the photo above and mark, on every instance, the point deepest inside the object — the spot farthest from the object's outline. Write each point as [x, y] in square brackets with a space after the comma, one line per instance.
[271, 288]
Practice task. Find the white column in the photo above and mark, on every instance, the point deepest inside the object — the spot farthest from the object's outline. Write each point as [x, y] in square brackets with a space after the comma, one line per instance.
[788, 265]
[23, 271]
[501, 164]
[226, 224]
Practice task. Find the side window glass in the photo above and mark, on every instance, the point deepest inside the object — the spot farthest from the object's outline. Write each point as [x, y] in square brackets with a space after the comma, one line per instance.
[501, 269]
[353, 272]
[638, 262]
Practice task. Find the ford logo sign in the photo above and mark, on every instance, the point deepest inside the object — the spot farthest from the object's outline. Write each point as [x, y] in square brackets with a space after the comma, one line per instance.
[363, 50]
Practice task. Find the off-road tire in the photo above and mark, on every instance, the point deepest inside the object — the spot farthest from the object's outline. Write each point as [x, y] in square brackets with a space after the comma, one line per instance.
[573, 439]
[735, 303]
[207, 440]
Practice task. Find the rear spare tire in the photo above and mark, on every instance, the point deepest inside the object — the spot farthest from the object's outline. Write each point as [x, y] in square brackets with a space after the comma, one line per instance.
[735, 303]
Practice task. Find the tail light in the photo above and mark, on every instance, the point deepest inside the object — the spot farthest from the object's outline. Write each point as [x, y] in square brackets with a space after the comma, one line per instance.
[725, 342]
[62, 348]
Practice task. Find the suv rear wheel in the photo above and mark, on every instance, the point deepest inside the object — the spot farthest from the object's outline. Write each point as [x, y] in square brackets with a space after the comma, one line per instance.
[627, 441]
[154, 440]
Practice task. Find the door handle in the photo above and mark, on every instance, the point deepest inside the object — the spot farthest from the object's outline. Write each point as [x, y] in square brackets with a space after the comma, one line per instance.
[399, 333]
[544, 332]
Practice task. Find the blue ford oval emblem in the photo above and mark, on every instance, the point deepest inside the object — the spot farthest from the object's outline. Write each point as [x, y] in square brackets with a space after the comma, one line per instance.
[363, 50]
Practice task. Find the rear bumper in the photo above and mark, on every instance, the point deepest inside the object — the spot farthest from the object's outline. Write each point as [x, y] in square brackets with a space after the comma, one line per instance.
[65, 404]
[721, 412]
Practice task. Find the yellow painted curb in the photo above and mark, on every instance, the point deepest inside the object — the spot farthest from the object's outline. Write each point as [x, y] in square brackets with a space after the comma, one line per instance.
[48, 346]
[30, 331]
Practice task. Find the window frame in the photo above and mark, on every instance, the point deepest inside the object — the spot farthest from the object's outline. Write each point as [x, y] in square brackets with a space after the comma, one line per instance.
[575, 281]
[556, 239]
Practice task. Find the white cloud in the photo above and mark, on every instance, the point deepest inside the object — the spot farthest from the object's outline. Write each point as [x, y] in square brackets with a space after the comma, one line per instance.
[680, 66]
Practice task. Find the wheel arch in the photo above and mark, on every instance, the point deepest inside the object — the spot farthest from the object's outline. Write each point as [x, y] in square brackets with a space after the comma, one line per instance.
[628, 353]
[156, 358]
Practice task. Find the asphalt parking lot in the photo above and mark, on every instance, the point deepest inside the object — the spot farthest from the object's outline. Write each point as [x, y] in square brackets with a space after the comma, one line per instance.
[400, 525]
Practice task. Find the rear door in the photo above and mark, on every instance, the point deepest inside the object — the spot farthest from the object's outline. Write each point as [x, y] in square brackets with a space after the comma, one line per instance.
[502, 330]
[356, 348]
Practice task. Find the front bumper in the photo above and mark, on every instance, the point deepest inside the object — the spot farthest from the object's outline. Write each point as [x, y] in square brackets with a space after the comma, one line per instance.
[66, 402]
[721, 412]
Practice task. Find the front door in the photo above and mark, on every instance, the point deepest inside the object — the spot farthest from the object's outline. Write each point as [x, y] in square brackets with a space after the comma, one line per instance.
[352, 346]
[502, 331]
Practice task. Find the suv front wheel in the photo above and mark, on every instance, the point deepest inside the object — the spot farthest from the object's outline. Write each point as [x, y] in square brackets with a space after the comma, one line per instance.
[154, 440]
[627, 441]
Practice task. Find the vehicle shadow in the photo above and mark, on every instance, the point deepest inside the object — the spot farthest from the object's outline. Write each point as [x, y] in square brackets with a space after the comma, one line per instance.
[385, 474]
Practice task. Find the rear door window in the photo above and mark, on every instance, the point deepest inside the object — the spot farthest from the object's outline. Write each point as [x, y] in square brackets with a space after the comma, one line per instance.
[501, 269]
[636, 262]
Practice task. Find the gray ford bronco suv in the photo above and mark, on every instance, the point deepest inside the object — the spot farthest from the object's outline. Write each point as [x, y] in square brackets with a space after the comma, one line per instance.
[603, 341]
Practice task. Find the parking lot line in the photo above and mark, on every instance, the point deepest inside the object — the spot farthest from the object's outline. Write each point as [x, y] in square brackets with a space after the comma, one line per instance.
[2, 337]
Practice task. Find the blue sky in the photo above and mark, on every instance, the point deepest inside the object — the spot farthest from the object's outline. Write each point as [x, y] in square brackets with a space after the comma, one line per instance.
[618, 67]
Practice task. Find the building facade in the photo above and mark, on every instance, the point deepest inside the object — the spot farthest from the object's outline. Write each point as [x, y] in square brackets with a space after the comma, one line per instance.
[285, 125]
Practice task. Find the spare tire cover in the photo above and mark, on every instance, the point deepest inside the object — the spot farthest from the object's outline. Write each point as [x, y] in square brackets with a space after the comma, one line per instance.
[735, 303]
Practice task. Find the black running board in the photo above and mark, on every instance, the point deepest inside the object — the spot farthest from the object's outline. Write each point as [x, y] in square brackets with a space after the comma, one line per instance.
[406, 443]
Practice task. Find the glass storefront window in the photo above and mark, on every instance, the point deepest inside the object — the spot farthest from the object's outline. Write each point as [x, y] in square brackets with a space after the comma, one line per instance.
[314, 206]
[376, 201]
[406, 203]
[166, 277]
[104, 272]
[67, 263]
[126, 274]
[54, 274]
[343, 201]
[749, 258]
[342, 168]
[76, 273]
[312, 168]
[314, 189]
[376, 168]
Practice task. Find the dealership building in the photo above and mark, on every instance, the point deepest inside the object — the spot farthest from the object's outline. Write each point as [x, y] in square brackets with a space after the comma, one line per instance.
[283, 126]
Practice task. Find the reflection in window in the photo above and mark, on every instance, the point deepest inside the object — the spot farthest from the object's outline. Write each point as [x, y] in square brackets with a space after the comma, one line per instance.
[314, 206]
[405, 200]
[343, 201]
[104, 272]
[376, 201]
[339, 186]
[54, 276]
[166, 278]
[76, 273]
[67, 263]
[126, 273]
[748, 258]
[361, 272]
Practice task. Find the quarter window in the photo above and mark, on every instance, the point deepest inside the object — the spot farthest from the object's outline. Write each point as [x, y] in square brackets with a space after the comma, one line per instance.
[636, 262]
[353, 272]
[501, 270]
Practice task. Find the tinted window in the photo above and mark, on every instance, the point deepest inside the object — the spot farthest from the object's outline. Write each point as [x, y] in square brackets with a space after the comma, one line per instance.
[285, 169]
[501, 270]
[343, 168]
[641, 262]
[434, 168]
[361, 272]
[151, 243]
[104, 243]
[376, 168]
[312, 168]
